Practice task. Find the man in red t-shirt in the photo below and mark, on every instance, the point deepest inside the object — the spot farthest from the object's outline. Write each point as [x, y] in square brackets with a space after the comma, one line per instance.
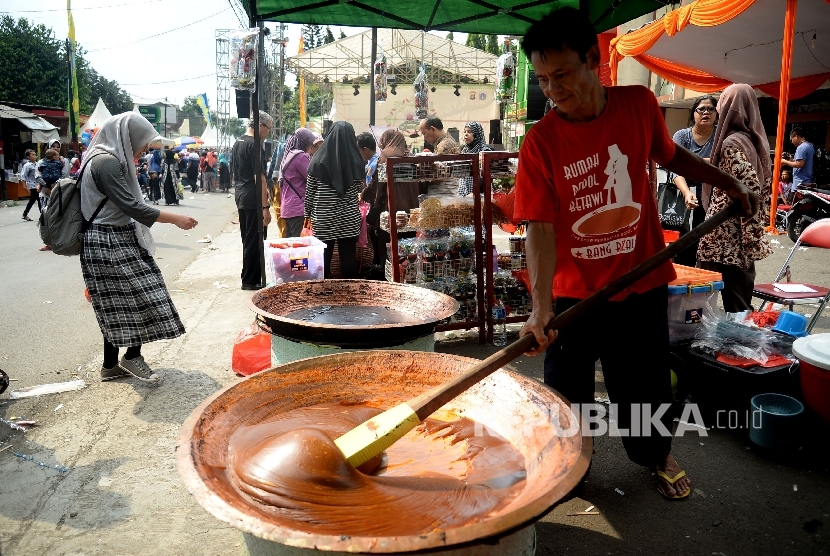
[582, 185]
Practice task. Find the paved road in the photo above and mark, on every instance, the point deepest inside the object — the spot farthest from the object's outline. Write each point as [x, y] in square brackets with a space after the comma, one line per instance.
[46, 324]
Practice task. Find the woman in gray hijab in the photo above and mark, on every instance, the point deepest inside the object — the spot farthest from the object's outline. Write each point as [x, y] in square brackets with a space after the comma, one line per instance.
[125, 285]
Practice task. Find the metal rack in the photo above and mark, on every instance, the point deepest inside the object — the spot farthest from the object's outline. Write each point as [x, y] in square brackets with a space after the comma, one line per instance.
[487, 186]
[452, 167]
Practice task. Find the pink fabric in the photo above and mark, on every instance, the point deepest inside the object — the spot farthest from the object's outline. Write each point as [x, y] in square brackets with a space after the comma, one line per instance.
[363, 238]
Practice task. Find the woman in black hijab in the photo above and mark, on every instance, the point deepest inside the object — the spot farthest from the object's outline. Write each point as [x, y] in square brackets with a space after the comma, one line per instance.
[170, 178]
[335, 180]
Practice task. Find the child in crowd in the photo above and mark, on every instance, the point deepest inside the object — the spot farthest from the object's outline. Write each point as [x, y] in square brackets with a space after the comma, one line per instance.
[155, 187]
[51, 170]
[785, 186]
[141, 174]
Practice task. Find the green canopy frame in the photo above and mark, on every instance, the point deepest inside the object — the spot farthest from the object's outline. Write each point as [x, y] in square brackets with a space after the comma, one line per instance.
[502, 17]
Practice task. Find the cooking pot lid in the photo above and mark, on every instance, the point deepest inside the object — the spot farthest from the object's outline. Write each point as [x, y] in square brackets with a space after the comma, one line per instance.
[814, 350]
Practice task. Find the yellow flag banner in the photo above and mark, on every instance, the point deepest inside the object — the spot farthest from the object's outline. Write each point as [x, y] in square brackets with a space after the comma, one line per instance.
[74, 106]
[301, 90]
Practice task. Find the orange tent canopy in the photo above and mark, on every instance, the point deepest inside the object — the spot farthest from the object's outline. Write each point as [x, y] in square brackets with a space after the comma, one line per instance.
[709, 44]
[782, 47]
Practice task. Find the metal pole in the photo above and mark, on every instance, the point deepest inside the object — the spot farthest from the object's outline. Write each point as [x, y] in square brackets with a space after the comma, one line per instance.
[71, 130]
[258, 158]
[282, 129]
[372, 76]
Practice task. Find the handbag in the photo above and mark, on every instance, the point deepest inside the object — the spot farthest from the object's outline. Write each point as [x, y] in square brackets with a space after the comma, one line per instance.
[307, 230]
[671, 206]
[363, 238]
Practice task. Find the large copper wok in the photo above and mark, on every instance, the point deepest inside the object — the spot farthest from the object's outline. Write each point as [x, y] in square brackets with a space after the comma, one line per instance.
[422, 308]
[521, 409]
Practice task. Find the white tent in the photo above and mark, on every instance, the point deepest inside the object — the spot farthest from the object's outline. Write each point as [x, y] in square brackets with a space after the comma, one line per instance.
[350, 58]
[98, 116]
[210, 137]
[472, 103]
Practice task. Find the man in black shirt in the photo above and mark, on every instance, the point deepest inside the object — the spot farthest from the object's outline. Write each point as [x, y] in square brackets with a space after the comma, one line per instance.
[247, 200]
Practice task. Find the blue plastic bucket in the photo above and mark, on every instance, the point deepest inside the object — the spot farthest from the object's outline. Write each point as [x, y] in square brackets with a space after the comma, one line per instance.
[774, 421]
[791, 323]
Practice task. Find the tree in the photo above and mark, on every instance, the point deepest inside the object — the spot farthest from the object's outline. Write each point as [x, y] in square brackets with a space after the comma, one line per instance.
[450, 36]
[317, 101]
[476, 40]
[232, 126]
[312, 36]
[493, 45]
[342, 34]
[329, 36]
[33, 70]
[117, 99]
[193, 111]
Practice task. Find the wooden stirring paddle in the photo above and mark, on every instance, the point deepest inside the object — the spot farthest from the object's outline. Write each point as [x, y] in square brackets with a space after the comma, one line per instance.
[369, 439]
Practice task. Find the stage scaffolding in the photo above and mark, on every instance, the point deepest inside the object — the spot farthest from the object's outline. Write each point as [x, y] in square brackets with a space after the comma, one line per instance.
[223, 89]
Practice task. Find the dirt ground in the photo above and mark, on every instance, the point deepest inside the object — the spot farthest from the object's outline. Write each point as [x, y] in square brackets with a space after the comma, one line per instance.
[121, 493]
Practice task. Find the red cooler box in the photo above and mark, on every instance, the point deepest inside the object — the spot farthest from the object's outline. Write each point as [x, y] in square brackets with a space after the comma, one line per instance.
[814, 354]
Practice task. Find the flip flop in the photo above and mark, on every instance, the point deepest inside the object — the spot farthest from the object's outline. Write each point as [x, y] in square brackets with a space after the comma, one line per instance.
[671, 481]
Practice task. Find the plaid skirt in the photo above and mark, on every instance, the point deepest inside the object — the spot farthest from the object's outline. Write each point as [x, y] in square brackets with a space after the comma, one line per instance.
[128, 293]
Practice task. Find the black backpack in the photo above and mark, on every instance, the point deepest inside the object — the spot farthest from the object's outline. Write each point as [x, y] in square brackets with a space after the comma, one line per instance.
[62, 225]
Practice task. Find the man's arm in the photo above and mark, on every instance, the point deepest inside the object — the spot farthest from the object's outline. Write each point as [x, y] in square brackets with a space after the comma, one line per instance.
[792, 163]
[692, 166]
[541, 265]
[265, 204]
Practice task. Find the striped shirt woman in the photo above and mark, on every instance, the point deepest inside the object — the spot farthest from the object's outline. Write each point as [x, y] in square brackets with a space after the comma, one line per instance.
[335, 180]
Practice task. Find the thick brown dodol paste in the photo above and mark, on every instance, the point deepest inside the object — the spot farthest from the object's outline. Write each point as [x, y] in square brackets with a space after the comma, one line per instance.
[442, 474]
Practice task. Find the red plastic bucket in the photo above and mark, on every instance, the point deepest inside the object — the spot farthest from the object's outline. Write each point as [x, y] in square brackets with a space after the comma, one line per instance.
[814, 354]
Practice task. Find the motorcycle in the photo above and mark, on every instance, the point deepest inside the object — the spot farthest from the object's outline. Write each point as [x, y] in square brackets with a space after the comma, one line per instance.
[809, 204]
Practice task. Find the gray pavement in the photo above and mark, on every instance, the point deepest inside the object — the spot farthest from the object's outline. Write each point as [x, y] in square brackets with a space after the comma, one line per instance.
[46, 324]
[122, 494]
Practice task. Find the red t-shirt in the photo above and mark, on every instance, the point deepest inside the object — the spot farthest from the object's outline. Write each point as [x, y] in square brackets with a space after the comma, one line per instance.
[589, 179]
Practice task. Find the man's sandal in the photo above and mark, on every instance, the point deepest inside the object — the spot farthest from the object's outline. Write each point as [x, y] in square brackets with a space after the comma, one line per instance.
[671, 481]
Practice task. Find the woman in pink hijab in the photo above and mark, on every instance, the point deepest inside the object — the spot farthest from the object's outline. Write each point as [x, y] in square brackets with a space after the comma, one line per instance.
[292, 179]
[742, 150]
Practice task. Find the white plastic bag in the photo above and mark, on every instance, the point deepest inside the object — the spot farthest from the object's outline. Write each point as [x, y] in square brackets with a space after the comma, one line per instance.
[243, 54]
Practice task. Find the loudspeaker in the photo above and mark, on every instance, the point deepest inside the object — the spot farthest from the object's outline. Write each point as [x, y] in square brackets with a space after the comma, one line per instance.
[495, 132]
[243, 103]
[536, 99]
[327, 127]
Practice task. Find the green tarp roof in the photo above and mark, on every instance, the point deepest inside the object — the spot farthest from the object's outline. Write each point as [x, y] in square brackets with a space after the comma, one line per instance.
[505, 17]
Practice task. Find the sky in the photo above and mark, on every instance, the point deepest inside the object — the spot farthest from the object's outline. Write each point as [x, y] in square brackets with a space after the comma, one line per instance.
[155, 49]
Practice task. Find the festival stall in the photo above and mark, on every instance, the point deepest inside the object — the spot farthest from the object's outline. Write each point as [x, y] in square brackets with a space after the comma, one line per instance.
[706, 46]
[20, 130]
[505, 401]
[709, 44]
